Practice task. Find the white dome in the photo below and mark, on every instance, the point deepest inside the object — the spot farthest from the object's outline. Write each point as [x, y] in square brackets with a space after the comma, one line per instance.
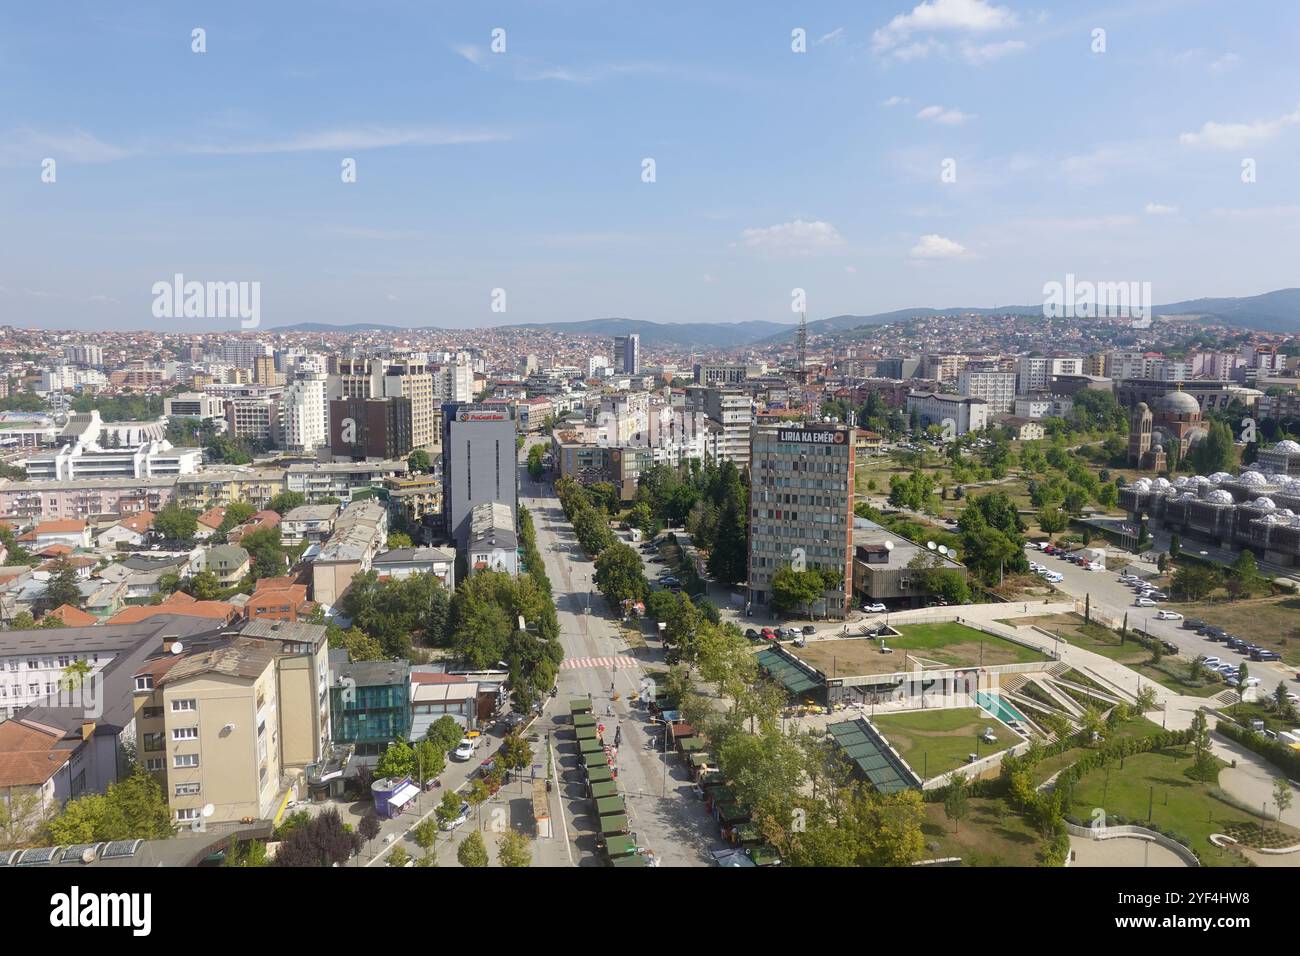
[1219, 497]
[1142, 484]
[1181, 480]
[1286, 512]
[1161, 483]
[1220, 476]
[1265, 503]
[1251, 478]
[1288, 446]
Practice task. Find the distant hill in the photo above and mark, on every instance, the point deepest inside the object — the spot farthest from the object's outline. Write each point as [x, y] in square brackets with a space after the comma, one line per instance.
[703, 335]
[1269, 312]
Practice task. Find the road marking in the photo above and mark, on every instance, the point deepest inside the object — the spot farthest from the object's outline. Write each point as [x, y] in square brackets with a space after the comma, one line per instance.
[617, 662]
[568, 849]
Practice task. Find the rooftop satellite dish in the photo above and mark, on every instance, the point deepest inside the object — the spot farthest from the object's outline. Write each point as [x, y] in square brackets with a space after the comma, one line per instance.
[88, 855]
[209, 809]
[177, 647]
[889, 546]
[943, 549]
[931, 545]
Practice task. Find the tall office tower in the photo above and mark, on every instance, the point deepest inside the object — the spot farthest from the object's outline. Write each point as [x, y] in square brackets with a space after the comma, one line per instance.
[242, 353]
[595, 363]
[264, 372]
[454, 382]
[401, 377]
[627, 354]
[84, 354]
[478, 463]
[998, 389]
[370, 427]
[731, 410]
[801, 507]
[304, 414]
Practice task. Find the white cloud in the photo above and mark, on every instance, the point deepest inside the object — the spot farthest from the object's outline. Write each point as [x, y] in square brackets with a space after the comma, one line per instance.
[850, 269]
[1158, 209]
[470, 52]
[937, 247]
[981, 53]
[940, 16]
[896, 101]
[354, 139]
[24, 146]
[940, 114]
[835, 36]
[793, 238]
[1224, 63]
[1239, 135]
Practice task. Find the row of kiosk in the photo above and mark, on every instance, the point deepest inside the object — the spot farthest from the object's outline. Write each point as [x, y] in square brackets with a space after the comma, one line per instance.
[600, 775]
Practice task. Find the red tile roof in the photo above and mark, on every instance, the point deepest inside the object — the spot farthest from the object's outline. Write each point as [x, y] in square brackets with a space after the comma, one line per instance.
[74, 617]
[28, 755]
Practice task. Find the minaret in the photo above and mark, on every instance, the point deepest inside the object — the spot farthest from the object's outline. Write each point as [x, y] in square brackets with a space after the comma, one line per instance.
[803, 348]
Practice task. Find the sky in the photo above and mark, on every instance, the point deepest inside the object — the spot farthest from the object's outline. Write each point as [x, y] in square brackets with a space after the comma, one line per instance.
[660, 161]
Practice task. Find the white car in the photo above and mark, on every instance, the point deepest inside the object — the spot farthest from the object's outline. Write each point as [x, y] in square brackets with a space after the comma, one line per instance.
[1095, 566]
[1211, 661]
[1168, 616]
[457, 820]
[1144, 602]
[876, 608]
[1252, 681]
[464, 750]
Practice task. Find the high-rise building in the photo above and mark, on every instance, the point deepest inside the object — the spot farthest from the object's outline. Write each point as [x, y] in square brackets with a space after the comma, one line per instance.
[242, 353]
[264, 372]
[732, 411]
[998, 389]
[454, 383]
[478, 463]
[304, 414]
[84, 354]
[371, 427]
[1034, 373]
[801, 508]
[403, 377]
[627, 354]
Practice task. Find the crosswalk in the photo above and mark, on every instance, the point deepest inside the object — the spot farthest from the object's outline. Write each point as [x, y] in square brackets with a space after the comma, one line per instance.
[618, 661]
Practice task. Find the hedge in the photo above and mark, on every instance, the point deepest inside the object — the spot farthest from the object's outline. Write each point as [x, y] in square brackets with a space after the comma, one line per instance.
[1275, 752]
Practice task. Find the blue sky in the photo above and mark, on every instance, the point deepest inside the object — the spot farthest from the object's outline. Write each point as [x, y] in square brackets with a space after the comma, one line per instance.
[522, 170]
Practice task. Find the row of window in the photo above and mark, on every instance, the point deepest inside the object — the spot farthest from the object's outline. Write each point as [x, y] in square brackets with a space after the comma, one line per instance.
[49, 663]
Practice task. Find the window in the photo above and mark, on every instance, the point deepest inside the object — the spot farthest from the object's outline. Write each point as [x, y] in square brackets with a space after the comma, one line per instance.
[34, 689]
[185, 760]
[154, 764]
[185, 733]
[144, 682]
[33, 664]
[187, 703]
[64, 660]
[153, 742]
[188, 814]
[151, 713]
[187, 789]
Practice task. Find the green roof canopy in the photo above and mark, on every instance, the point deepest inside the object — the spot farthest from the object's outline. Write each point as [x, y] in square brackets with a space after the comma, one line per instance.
[591, 745]
[609, 805]
[580, 705]
[871, 754]
[617, 846]
[603, 789]
[586, 733]
[613, 823]
[599, 773]
[584, 720]
[595, 758]
[636, 859]
[794, 678]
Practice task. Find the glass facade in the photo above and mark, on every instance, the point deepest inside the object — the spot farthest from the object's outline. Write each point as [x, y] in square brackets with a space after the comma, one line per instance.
[370, 714]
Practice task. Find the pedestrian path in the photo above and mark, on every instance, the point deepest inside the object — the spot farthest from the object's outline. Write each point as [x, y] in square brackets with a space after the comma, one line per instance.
[613, 663]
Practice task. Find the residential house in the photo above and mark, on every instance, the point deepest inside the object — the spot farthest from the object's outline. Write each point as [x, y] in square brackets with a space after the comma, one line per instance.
[132, 531]
[309, 523]
[401, 563]
[360, 533]
[230, 563]
[70, 531]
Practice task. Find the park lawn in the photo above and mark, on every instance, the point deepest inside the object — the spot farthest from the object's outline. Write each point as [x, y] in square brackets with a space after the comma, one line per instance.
[991, 835]
[1272, 622]
[1182, 806]
[951, 643]
[936, 741]
[1133, 727]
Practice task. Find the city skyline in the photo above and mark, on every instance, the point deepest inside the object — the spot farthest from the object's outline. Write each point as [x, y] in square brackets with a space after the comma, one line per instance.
[515, 179]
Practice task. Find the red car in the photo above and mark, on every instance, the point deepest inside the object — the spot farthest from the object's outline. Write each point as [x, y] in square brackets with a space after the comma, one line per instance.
[768, 634]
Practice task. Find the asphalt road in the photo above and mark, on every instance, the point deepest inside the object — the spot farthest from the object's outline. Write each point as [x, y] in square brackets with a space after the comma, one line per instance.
[1115, 599]
[662, 809]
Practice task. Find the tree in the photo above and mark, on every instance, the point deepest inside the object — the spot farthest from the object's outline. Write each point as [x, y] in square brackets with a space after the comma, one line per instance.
[321, 842]
[286, 501]
[515, 754]
[956, 802]
[246, 853]
[1205, 765]
[1195, 581]
[620, 574]
[398, 540]
[132, 808]
[472, 852]
[1053, 521]
[448, 808]
[513, 850]
[398, 857]
[793, 590]
[176, 524]
[1146, 699]
[62, 587]
[267, 554]
[419, 462]
[397, 761]
[368, 828]
[430, 760]
[1282, 796]
[1245, 579]
[1214, 452]
[237, 512]
[445, 733]
[729, 554]
[359, 645]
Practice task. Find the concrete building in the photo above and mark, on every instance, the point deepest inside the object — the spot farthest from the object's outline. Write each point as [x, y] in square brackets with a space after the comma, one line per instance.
[194, 405]
[85, 354]
[479, 464]
[340, 479]
[400, 377]
[733, 411]
[304, 415]
[363, 428]
[1043, 406]
[997, 389]
[360, 533]
[1034, 373]
[801, 508]
[722, 374]
[492, 544]
[253, 413]
[370, 706]
[313, 523]
[966, 414]
[154, 459]
[401, 563]
[627, 354]
[887, 567]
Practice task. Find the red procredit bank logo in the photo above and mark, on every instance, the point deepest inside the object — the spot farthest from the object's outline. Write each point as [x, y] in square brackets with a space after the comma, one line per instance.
[481, 417]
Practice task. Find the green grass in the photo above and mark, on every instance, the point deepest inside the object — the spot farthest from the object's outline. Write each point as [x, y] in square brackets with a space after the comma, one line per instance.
[1158, 782]
[937, 741]
[951, 643]
[1133, 727]
[992, 835]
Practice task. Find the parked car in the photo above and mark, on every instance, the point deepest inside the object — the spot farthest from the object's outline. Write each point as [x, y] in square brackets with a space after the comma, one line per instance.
[751, 634]
[876, 608]
[461, 816]
[1211, 661]
[1168, 616]
[1263, 655]
[768, 634]
[809, 629]
[1170, 647]
[464, 750]
[1192, 624]
[1144, 602]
